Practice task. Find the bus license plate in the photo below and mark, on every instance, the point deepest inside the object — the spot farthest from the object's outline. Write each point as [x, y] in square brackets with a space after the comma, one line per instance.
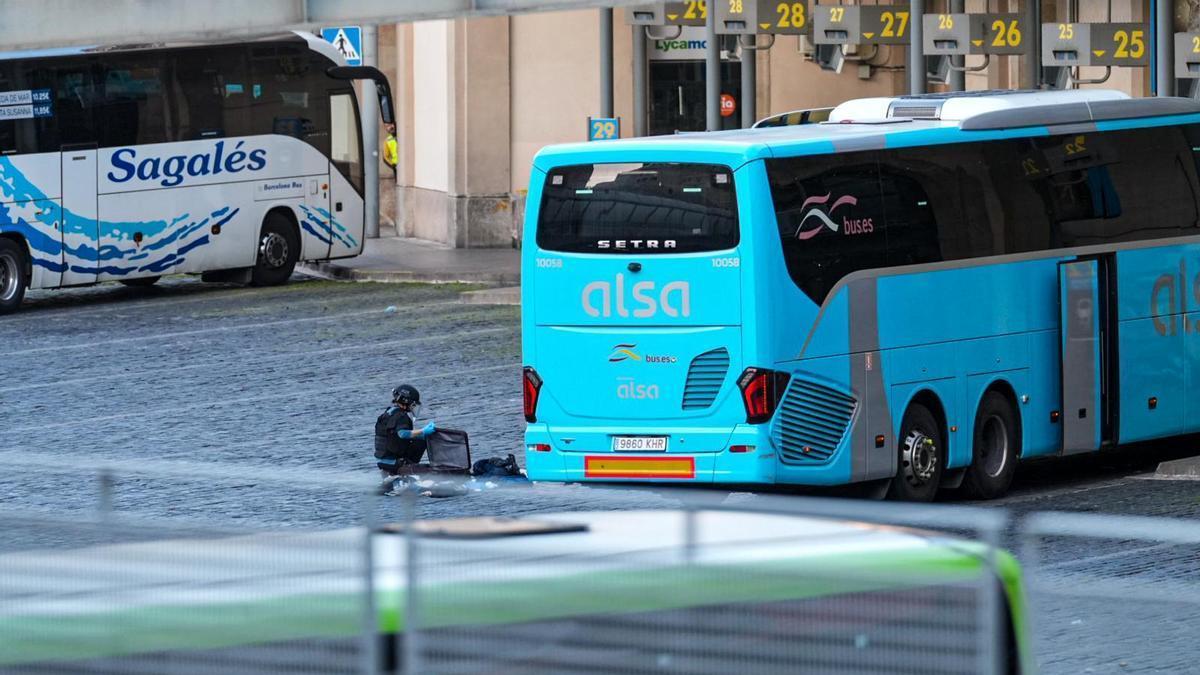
[639, 443]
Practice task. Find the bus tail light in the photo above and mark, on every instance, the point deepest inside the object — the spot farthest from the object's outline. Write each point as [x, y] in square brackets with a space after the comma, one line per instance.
[531, 388]
[762, 390]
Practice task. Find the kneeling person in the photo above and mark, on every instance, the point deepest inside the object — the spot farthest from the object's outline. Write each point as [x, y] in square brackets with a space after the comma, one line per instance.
[396, 443]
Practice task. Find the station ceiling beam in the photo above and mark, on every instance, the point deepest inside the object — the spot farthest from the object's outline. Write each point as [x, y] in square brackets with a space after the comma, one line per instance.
[61, 23]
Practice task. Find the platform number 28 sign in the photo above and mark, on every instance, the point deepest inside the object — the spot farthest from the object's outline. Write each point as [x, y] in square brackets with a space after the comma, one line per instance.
[604, 128]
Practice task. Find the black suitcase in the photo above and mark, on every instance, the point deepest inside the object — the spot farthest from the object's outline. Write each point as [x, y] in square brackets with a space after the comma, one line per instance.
[446, 451]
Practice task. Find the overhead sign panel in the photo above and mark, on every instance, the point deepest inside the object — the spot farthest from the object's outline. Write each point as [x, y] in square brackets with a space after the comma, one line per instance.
[756, 17]
[1187, 56]
[687, 13]
[964, 34]
[1095, 44]
[861, 25]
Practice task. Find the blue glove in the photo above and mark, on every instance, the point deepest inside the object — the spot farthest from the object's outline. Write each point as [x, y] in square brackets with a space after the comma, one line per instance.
[404, 434]
[428, 429]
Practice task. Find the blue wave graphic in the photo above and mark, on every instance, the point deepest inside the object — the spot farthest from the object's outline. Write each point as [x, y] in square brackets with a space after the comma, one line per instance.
[163, 245]
[321, 224]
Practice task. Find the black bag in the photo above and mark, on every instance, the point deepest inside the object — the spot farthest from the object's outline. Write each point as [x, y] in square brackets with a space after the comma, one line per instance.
[494, 466]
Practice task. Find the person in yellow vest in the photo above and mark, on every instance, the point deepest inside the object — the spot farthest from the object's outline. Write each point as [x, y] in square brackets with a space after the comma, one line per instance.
[389, 147]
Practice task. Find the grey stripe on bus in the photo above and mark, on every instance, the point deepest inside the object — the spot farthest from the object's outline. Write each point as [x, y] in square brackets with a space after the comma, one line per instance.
[985, 260]
[866, 377]
[1080, 128]
[859, 143]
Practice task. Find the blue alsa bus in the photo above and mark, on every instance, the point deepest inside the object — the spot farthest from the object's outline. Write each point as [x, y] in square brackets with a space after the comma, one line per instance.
[125, 163]
[921, 292]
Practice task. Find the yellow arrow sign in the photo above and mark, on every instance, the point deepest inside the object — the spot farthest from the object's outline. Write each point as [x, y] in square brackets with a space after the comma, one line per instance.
[764, 26]
[868, 35]
[672, 16]
[1098, 52]
[977, 43]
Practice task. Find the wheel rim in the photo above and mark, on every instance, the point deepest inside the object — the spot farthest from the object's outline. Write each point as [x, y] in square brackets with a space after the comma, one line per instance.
[10, 277]
[993, 453]
[920, 458]
[273, 249]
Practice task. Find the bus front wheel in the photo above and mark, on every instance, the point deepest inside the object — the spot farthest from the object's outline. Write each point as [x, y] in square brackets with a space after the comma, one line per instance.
[14, 275]
[278, 252]
[922, 457]
[996, 443]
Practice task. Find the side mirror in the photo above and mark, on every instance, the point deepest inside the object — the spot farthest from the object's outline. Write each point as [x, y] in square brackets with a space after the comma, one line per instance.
[382, 87]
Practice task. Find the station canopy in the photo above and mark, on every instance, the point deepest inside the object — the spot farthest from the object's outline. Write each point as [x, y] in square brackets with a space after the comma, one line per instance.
[62, 23]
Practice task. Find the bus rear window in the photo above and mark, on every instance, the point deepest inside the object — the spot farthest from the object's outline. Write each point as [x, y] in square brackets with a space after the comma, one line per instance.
[643, 208]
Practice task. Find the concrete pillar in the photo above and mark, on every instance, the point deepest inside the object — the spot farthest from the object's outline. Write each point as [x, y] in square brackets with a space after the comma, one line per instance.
[640, 90]
[388, 187]
[479, 205]
[404, 100]
[712, 74]
[1164, 48]
[916, 59]
[369, 104]
[957, 81]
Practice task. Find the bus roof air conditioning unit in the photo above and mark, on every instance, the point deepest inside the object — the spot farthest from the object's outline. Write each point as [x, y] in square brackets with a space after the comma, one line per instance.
[916, 109]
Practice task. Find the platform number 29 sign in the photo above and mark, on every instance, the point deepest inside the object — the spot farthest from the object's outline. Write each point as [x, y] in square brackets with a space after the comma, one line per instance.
[604, 128]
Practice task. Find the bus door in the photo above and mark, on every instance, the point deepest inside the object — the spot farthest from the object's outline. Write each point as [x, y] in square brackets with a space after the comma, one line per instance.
[80, 227]
[1085, 340]
[346, 185]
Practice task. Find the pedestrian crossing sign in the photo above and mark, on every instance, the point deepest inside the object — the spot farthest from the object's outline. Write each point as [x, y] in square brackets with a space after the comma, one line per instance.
[347, 40]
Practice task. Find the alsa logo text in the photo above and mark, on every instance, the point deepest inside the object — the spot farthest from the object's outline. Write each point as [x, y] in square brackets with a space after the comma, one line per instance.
[628, 388]
[604, 298]
[825, 219]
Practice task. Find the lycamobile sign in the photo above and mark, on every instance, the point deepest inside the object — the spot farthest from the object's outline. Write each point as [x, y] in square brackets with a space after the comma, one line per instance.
[688, 45]
[671, 45]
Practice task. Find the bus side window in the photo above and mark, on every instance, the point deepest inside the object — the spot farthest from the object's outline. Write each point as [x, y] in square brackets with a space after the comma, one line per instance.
[289, 97]
[10, 130]
[909, 223]
[345, 145]
[830, 212]
[938, 205]
[1116, 186]
[74, 101]
[131, 104]
[212, 93]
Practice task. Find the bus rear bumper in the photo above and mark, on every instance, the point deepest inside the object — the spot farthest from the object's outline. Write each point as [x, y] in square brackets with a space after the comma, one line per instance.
[756, 465]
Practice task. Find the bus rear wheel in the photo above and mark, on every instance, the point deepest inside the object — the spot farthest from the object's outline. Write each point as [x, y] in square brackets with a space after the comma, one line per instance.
[922, 457]
[996, 443]
[141, 282]
[278, 252]
[14, 276]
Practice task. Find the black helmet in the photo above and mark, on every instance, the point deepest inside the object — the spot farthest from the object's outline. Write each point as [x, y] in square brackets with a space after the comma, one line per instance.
[406, 394]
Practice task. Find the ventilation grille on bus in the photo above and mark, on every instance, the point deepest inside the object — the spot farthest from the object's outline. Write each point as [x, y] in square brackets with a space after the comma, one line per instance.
[916, 112]
[704, 379]
[811, 422]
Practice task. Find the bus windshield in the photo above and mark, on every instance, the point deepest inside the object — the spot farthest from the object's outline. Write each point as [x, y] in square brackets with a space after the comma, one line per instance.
[648, 208]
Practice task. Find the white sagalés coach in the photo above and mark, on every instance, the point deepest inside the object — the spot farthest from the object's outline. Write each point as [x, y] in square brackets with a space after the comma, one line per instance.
[124, 163]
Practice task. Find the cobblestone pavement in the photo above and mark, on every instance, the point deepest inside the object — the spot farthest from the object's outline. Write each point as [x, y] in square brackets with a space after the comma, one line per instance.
[241, 393]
